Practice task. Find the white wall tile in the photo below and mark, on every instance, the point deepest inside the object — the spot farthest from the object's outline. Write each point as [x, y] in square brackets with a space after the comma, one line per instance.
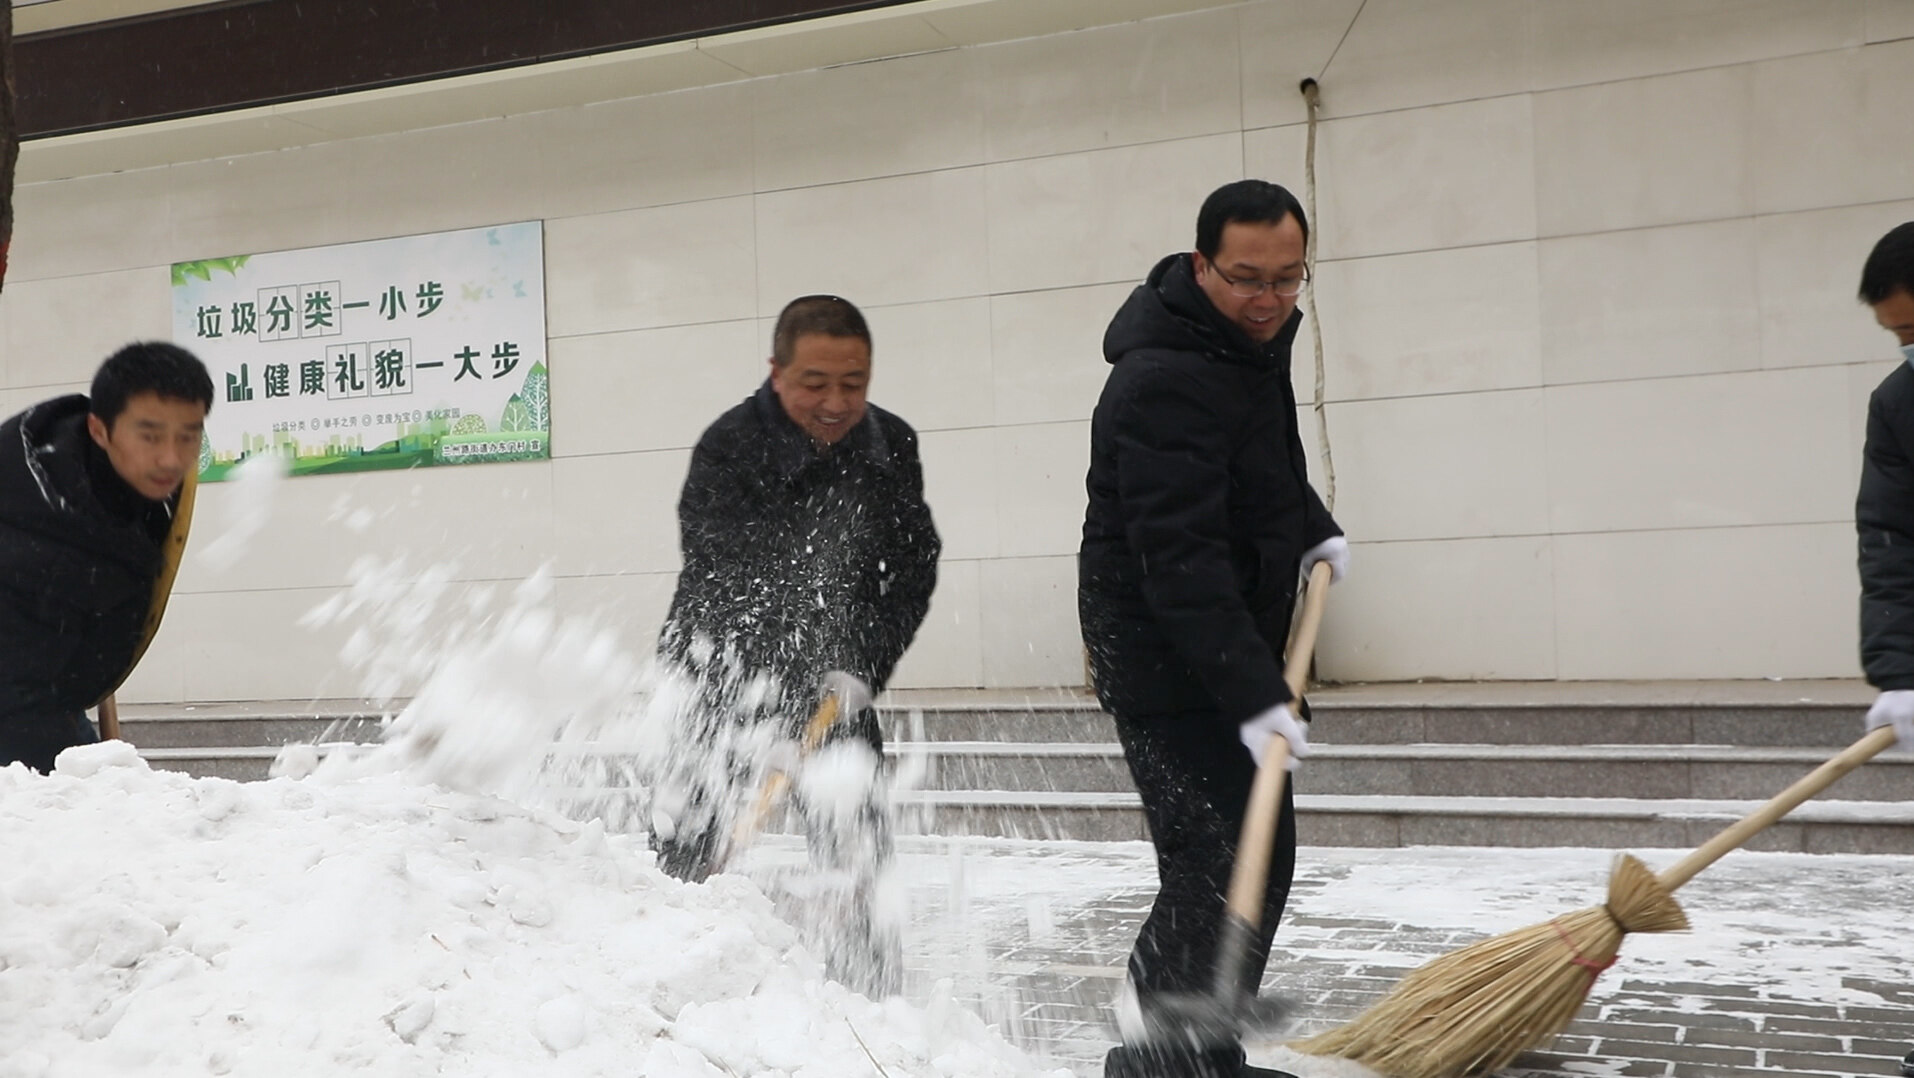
[1767, 602]
[1101, 216]
[1643, 152]
[1447, 176]
[1464, 609]
[274, 201]
[1650, 303]
[1138, 82]
[490, 521]
[1889, 20]
[1457, 320]
[859, 121]
[933, 363]
[1816, 137]
[1415, 53]
[650, 388]
[1622, 39]
[960, 485]
[948, 649]
[1279, 155]
[250, 645]
[1759, 448]
[618, 513]
[1281, 45]
[99, 224]
[57, 330]
[1048, 351]
[641, 151]
[1459, 465]
[1031, 636]
[1809, 272]
[631, 605]
[916, 238]
[662, 266]
[1040, 495]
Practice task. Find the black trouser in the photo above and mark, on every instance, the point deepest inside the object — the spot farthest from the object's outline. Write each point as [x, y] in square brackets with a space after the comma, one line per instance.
[1194, 776]
[35, 740]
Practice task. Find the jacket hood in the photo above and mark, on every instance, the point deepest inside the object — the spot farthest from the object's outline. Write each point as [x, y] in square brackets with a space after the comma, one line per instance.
[1170, 311]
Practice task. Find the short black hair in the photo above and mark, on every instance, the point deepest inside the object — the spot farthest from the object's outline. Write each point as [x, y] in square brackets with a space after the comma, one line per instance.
[832, 316]
[1246, 202]
[149, 367]
[1890, 266]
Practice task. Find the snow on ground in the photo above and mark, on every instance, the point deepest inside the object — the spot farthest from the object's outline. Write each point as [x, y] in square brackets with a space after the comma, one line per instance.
[155, 924]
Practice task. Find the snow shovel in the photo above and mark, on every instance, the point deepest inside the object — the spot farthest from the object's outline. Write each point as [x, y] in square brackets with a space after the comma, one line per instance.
[779, 780]
[1227, 1013]
[170, 553]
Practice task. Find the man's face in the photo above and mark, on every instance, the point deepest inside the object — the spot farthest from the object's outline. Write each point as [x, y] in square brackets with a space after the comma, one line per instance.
[1251, 252]
[152, 442]
[1896, 315]
[822, 388]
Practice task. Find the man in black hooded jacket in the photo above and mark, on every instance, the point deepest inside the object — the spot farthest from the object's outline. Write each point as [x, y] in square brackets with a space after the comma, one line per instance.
[809, 561]
[1884, 508]
[88, 489]
[1201, 521]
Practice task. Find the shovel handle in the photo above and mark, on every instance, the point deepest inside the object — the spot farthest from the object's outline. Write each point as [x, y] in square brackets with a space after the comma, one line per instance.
[776, 782]
[1784, 802]
[110, 718]
[1250, 874]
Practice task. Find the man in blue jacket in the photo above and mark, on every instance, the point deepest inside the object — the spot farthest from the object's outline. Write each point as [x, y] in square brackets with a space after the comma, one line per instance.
[1200, 522]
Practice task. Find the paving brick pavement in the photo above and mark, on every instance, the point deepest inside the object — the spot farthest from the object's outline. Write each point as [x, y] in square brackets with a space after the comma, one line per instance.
[1796, 966]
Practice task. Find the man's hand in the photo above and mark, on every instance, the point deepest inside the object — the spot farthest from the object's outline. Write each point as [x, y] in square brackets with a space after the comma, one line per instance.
[1278, 721]
[1335, 551]
[1895, 708]
[853, 695]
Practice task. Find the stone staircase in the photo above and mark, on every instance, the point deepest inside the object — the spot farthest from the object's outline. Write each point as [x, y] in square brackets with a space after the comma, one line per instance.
[1619, 765]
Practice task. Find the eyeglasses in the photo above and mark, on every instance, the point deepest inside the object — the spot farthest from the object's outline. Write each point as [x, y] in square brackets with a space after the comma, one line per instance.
[1251, 287]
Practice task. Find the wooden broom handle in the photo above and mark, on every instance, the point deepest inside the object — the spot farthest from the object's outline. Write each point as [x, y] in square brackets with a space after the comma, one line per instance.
[1250, 875]
[110, 718]
[1784, 802]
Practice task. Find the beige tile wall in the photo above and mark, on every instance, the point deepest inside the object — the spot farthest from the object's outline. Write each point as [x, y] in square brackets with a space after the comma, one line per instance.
[1595, 372]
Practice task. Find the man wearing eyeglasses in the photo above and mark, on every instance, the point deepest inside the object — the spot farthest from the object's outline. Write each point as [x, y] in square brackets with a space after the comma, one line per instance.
[1884, 508]
[1201, 521]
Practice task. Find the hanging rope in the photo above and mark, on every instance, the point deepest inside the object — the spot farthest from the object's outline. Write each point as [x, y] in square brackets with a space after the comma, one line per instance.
[9, 135]
[1313, 95]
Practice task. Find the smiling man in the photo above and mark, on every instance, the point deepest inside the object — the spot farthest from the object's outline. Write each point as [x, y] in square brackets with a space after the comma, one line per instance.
[88, 490]
[809, 559]
[1201, 520]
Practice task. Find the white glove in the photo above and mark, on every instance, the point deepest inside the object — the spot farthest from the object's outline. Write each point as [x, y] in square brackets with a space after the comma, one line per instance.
[1277, 721]
[1335, 551]
[1895, 708]
[853, 695]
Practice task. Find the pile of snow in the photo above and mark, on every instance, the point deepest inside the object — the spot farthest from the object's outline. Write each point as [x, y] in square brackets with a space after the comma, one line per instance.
[156, 924]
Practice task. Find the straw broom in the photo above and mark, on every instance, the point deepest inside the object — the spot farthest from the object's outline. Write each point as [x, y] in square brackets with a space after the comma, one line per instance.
[1475, 1010]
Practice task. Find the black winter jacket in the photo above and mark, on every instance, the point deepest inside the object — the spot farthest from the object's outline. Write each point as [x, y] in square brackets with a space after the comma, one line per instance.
[799, 561]
[1200, 508]
[1884, 517]
[80, 552]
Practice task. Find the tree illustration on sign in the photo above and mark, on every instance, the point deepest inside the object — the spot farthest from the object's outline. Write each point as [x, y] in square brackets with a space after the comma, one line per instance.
[516, 416]
[469, 423]
[536, 393]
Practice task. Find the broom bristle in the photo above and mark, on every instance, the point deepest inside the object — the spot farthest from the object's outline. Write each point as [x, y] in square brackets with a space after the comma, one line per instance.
[1476, 1009]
